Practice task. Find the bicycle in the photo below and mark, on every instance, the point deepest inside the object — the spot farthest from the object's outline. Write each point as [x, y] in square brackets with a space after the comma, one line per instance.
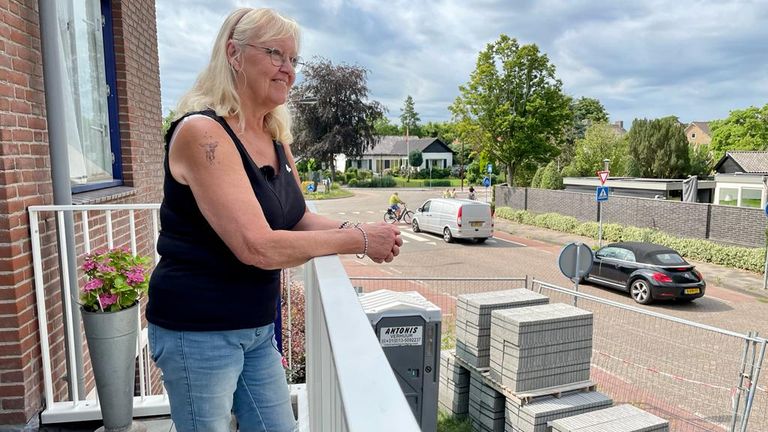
[405, 215]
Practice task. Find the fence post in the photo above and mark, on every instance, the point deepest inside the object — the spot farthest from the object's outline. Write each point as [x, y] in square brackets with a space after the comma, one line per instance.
[755, 379]
[737, 401]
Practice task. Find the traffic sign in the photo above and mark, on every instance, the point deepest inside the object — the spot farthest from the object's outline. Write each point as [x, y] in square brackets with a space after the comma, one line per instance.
[601, 193]
[310, 187]
[486, 181]
[489, 168]
[575, 260]
[603, 176]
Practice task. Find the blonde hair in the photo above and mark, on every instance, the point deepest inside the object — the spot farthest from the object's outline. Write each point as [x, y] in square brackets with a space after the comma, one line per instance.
[215, 87]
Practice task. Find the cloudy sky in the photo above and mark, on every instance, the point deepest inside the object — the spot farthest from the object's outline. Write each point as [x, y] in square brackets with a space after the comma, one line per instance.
[697, 60]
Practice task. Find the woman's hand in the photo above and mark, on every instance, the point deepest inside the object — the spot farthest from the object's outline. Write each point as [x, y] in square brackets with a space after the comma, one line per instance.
[384, 241]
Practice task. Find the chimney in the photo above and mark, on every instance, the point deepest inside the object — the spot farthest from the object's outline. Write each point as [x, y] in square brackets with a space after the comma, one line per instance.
[619, 124]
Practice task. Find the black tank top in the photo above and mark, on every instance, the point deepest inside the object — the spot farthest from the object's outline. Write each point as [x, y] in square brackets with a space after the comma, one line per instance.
[199, 284]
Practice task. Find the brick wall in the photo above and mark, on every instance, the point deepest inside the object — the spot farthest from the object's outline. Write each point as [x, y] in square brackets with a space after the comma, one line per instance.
[744, 226]
[25, 180]
[732, 225]
[579, 205]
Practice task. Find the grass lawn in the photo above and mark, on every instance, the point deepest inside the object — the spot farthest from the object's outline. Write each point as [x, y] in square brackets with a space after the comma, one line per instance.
[334, 193]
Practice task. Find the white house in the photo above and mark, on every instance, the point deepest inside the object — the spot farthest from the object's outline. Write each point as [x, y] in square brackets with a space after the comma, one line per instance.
[740, 179]
[391, 153]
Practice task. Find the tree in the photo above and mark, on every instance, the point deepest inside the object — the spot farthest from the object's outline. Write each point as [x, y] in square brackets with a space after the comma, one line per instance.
[415, 159]
[383, 127]
[700, 160]
[600, 142]
[167, 120]
[745, 129]
[517, 102]
[550, 177]
[658, 148]
[409, 118]
[585, 112]
[342, 119]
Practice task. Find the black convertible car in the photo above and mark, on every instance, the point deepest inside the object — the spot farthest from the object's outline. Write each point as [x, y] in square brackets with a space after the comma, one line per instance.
[647, 271]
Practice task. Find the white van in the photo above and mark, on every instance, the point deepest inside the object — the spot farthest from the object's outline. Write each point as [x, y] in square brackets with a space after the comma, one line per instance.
[455, 218]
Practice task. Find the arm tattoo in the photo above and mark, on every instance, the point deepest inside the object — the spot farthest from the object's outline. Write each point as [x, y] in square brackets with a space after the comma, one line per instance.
[210, 150]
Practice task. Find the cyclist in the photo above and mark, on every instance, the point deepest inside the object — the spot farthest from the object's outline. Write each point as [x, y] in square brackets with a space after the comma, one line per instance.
[471, 193]
[394, 201]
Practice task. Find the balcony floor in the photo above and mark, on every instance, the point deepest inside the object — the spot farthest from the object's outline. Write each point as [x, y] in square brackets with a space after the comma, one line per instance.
[153, 424]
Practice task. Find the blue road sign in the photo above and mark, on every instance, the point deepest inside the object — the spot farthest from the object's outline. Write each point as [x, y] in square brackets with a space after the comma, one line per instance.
[766, 209]
[489, 168]
[601, 193]
[486, 181]
[310, 187]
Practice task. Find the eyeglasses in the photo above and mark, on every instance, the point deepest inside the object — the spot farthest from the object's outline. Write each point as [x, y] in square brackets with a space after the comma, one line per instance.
[278, 58]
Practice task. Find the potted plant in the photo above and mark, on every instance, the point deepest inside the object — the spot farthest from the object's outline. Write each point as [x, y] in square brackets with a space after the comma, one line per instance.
[116, 280]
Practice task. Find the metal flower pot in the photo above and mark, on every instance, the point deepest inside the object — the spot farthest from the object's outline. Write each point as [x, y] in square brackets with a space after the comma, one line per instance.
[112, 340]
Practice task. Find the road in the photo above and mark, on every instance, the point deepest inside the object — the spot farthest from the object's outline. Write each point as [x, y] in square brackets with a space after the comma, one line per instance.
[671, 360]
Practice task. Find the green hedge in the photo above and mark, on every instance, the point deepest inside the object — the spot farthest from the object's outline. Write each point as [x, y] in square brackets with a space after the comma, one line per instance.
[751, 259]
[385, 181]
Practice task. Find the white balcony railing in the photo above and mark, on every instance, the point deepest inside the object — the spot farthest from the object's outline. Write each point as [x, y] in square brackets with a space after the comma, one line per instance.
[350, 385]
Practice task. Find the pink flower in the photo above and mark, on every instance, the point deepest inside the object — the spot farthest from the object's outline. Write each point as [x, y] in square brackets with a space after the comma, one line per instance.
[104, 268]
[135, 275]
[285, 363]
[93, 284]
[107, 299]
[89, 265]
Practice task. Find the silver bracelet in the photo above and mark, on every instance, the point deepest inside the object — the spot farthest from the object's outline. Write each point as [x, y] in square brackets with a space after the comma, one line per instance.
[345, 224]
[365, 240]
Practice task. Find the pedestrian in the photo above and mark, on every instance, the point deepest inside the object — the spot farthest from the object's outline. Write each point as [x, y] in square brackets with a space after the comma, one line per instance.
[471, 194]
[453, 193]
[232, 217]
[447, 193]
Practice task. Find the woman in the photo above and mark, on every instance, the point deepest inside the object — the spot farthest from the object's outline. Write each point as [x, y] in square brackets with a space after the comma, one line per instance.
[232, 217]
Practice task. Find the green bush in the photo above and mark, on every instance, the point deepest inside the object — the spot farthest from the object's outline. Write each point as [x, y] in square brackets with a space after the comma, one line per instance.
[751, 259]
[384, 182]
[439, 182]
[353, 182]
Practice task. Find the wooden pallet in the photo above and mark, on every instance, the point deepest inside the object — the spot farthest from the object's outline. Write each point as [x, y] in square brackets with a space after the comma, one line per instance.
[526, 397]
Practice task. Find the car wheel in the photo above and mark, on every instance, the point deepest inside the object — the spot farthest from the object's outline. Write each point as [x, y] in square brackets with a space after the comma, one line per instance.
[447, 236]
[415, 225]
[640, 290]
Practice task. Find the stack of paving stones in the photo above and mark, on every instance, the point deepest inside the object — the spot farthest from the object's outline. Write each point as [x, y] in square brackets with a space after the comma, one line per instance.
[453, 394]
[535, 416]
[537, 347]
[473, 320]
[486, 406]
[621, 418]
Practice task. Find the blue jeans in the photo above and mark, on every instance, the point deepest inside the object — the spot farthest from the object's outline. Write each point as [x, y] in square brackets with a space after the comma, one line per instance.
[210, 374]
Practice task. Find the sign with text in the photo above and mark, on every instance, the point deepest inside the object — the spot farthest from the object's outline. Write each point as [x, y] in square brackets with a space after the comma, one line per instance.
[603, 176]
[490, 169]
[400, 336]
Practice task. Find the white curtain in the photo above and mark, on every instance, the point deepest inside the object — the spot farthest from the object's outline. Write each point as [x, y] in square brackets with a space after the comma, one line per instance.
[87, 116]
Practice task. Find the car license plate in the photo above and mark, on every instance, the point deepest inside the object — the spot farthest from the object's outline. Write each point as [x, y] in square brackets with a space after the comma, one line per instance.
[692, 291]
[475, 224]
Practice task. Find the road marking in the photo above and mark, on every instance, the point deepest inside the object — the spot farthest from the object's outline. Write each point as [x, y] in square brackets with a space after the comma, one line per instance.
[412, 236]
[510, 241]
[356, 213]
[341, 213]
[370, 212]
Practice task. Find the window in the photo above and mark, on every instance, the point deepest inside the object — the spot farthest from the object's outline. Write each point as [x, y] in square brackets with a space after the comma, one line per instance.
[87, 51]
[693, 135]
[728, 196]
[668, 258]
[751, 197]
[386, 164]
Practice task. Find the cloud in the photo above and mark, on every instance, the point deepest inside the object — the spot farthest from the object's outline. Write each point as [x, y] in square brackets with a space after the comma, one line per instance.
[692, 58]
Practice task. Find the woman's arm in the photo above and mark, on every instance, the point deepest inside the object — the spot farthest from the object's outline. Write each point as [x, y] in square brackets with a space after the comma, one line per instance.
[204, 157]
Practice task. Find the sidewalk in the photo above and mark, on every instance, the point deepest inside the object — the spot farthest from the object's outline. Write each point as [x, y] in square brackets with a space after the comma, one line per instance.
[719, 276]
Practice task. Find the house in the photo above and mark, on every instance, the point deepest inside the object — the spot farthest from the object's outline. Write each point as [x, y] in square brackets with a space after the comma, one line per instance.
[391, 153]
[618, 127]
[80, 123]
[668, 189]
[740, 178]
[698, 133]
